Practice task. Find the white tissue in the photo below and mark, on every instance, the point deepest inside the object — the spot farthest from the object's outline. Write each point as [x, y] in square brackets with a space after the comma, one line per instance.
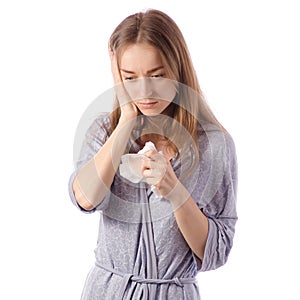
[130, 166]
[148, 146]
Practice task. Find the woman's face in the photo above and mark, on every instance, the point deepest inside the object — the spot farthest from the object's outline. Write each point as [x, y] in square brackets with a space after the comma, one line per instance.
[144, 77]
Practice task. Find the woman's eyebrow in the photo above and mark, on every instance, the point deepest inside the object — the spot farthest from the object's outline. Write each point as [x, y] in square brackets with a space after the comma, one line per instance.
[150, 71]
[155, 69]
[127, 71]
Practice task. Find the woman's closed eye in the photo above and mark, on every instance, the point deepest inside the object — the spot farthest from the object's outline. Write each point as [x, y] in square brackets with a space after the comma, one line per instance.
[129, 78]
[157, 75]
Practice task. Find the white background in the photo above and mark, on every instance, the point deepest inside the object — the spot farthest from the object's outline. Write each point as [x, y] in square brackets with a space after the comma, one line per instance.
[54, 63]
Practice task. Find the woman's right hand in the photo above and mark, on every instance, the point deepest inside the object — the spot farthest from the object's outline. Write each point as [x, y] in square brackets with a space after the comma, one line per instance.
[129, 110]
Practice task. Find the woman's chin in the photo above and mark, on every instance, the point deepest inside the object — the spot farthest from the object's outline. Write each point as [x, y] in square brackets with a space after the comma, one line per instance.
[149, 113]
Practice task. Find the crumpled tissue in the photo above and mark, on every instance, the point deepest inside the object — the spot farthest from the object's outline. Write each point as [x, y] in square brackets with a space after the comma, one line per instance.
[130, 166]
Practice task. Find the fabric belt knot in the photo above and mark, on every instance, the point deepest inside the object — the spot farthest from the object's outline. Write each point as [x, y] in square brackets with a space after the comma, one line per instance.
[126, 278]
[178, 282]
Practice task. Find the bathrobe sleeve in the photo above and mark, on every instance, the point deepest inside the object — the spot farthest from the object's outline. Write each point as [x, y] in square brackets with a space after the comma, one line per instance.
[94, 139]
[217, 199]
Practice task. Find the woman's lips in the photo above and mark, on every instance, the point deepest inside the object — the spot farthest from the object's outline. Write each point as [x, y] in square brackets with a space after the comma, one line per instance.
[147, 105]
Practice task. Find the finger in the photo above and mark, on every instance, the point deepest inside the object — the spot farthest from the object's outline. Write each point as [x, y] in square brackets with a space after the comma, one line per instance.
[115, 71]
[119, 87]
[145, 163]
[151, 164]
[151, 153]
[156, 156]
[115, 67]
[153, 181]
[155, 173]
[121, 92]
[111, 53]
[150, 178]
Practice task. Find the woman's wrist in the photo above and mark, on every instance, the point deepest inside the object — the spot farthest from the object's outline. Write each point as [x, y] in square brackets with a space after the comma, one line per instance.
[127, 121]
[178, 195]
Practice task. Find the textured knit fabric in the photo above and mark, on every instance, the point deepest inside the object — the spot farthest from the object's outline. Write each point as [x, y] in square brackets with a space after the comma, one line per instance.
[140, 252]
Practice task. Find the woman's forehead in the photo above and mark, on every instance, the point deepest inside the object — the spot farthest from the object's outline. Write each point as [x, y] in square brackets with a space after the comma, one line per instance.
[140, 56]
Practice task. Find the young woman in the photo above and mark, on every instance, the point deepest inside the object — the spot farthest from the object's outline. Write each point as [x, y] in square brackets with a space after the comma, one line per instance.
[152, 247]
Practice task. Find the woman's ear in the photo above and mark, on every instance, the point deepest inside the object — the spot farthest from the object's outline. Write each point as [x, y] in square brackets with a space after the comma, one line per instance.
[111, 53]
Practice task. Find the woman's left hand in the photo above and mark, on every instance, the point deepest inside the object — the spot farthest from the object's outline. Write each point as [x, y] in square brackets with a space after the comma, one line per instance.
[158, 172]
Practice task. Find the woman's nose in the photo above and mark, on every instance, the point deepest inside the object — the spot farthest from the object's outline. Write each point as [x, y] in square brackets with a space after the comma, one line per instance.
[145, 88]
[141, 88]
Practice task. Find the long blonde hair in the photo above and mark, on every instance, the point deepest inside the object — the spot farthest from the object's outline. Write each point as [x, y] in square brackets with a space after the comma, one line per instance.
[159, 30]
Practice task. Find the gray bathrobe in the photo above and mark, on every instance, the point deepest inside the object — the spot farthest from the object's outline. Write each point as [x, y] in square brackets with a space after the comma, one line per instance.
[140, 252]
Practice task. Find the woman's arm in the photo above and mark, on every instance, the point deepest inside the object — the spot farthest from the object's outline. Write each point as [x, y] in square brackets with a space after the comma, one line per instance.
[95, 178]
[192, 223]
[209, 233]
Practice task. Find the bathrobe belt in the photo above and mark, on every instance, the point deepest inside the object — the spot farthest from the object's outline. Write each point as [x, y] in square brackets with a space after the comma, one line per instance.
[133, 278]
